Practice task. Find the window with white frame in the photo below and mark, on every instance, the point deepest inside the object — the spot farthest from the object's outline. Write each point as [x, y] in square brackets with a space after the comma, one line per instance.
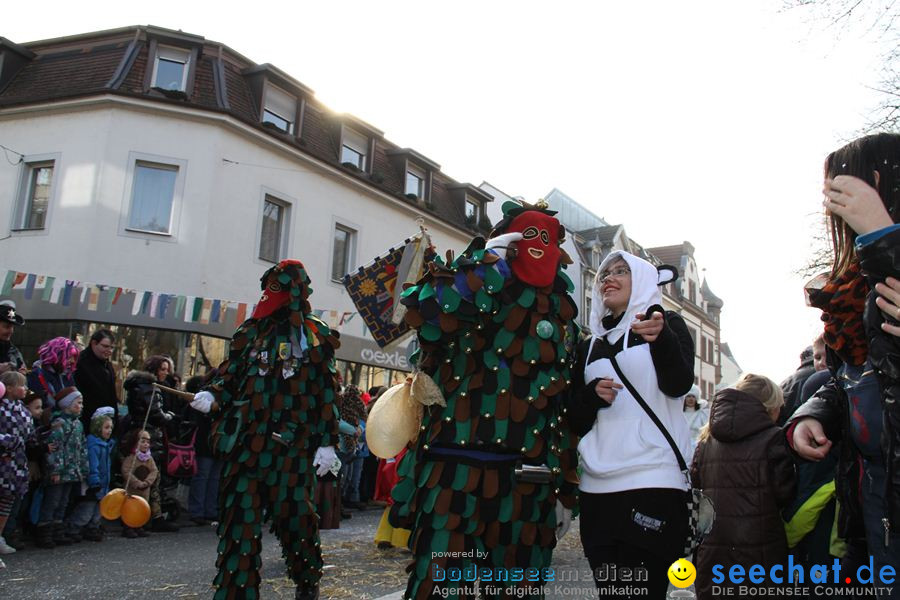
[152, 197]
[471, 211]
[273, 234]
[342, 251]
[280, 109]
[415, 181]
[34, 198]
[354, 148]
[170, 69]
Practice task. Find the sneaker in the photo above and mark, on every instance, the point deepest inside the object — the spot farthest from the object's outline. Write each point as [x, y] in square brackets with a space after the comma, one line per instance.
[6, 548]
[2, 564]
[142, 532]
[199, 521]
[129, 533]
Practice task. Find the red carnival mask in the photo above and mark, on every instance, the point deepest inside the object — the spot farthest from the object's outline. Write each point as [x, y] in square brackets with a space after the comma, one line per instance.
[275, 294]
[538, 251]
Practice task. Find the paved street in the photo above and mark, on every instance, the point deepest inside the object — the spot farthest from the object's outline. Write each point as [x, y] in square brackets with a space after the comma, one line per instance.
[182, 565]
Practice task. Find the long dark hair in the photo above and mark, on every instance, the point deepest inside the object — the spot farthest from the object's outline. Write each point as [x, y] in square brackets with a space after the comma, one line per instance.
[862, 158]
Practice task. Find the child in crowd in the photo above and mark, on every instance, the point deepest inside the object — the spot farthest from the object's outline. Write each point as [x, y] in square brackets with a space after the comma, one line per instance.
[86, 515]
[67, 469]
[15, 430]
[743, 464]
[139, 473]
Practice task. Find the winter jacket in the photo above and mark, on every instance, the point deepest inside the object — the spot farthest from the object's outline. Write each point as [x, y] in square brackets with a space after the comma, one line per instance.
[69, 460]
[140, 394]
[99, 463]
[793, 387]
[16, 429]
[746, 469]
[145, 471]
[878, 259]
[46, 382]
[96, 380]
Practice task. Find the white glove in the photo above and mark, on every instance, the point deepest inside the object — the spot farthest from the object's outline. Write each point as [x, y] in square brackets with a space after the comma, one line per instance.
[203, 401]
[324, 459]
[563, 520]
[498, 244]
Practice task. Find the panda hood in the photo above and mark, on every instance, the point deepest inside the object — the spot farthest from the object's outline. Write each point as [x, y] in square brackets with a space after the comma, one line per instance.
[645, 279]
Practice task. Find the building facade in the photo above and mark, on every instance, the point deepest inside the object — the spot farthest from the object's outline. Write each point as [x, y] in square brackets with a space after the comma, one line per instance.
[690, 296]
[153, 160]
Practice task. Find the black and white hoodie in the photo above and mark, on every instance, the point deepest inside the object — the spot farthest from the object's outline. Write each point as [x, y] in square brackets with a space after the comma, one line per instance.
[621, 448]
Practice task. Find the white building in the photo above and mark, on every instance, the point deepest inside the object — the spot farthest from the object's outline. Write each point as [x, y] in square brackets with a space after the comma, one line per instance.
[162, 161]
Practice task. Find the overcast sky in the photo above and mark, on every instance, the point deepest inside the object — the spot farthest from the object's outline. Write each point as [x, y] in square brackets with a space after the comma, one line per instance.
[700, 121]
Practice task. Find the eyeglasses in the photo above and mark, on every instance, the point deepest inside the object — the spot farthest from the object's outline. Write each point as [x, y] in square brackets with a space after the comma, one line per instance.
[618, 273]
[107, 346]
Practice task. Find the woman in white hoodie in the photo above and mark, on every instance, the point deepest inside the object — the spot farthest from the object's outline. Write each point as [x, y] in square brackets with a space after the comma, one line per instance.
[696, 413]
[632, 490]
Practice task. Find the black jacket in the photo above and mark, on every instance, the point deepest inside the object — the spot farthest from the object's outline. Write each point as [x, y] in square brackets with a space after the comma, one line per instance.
[793, 387]
[673, 358]
[96, 380]
[829, 405]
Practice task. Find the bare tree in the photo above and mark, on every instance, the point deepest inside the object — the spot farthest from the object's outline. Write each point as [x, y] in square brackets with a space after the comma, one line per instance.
[874, 17]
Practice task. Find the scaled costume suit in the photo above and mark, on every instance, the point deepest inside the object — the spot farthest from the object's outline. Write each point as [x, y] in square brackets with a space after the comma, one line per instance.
[495, 333]
[275, 396]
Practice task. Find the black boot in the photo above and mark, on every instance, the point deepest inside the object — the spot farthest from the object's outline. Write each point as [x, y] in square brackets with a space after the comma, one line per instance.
[44, 536]
[162, 525]
[59, 535]
[14, 539]
[306, 593]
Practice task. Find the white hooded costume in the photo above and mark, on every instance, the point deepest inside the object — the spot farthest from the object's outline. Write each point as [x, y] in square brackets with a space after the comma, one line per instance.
[624, 450]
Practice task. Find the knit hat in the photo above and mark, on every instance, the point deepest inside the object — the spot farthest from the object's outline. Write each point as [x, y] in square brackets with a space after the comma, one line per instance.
[103, 411]
[66, 396]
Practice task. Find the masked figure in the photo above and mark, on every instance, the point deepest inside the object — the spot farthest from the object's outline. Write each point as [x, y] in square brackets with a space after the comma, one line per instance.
[275, 427]
[486, 482]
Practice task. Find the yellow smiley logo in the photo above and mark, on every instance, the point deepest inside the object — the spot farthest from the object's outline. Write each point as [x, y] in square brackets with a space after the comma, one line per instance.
[682, 573]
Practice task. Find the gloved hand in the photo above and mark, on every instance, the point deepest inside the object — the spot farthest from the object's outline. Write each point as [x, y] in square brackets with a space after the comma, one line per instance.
[499, 244]
[563, 520]
[324, 459]
[203, 401]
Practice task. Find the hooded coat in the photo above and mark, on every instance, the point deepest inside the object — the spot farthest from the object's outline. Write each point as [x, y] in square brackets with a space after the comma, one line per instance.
[746, 469]
[621, 448]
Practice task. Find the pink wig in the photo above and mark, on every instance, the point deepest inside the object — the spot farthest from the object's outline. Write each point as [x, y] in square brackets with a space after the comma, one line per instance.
[59, 354]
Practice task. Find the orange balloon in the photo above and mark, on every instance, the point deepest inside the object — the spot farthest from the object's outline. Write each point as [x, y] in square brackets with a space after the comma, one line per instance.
[135, 511]
[111, 505]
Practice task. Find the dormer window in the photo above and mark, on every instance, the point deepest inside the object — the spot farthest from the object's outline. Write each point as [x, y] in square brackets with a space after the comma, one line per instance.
[170, 69]
[354, 149]
[415, 181]
[472, 211]
[280, 109]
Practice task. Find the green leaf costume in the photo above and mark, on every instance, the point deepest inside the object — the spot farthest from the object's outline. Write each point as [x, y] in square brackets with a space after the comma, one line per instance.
[276, 407]
[499, 350]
